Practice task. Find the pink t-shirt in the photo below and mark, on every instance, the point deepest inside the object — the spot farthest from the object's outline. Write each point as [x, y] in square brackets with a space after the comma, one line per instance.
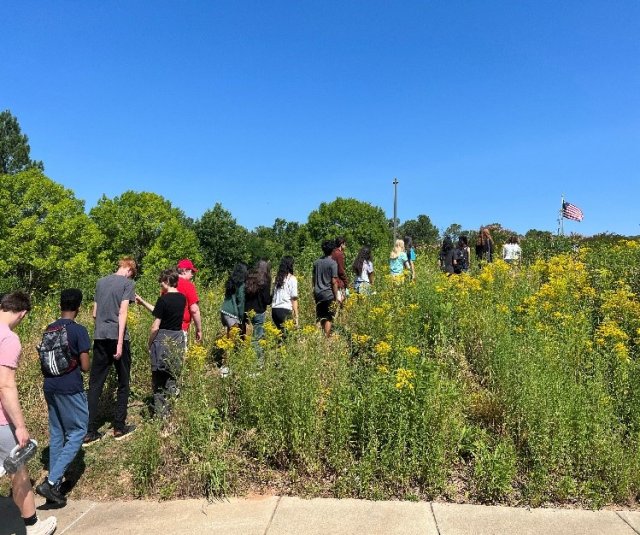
[9, 356]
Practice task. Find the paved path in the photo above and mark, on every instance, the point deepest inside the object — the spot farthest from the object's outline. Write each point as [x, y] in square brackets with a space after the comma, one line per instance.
[273, 515]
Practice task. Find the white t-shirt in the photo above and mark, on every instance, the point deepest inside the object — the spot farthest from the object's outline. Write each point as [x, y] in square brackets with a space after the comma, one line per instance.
[282, 296]
[511, 251]
[367, 267]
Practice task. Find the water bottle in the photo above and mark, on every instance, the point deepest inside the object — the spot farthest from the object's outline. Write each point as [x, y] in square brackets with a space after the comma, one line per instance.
[19, 456]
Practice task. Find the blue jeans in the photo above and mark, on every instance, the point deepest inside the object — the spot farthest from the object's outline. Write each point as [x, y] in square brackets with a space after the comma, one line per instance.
[258, 334]
[68, 419]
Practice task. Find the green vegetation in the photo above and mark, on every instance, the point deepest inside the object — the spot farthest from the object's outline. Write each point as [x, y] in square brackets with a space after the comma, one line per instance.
[509, 385]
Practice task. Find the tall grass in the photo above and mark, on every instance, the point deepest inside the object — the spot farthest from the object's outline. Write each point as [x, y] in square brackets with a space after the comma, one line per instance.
[508, 384]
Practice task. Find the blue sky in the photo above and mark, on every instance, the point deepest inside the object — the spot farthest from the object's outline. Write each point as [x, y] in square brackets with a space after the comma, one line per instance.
[486, 111]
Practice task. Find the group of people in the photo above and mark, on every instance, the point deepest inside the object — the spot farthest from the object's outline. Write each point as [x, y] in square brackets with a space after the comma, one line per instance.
[455, 259]
[73, 415]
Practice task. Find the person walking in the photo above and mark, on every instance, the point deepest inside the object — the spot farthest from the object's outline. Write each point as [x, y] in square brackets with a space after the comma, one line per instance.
[285, 295]
[325, 287]
[363, 270]
[338, 255]
[411, 254]
[487, 245]
[398, 261]
[511, 251]
[111, 347]
[166, 341]
[233, 304]
[13, 429]
[66, 398]
[447, 253]
[257, 299]
[186, 271]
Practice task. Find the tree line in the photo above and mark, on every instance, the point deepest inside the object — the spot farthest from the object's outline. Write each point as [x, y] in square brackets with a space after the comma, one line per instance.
[47, 238]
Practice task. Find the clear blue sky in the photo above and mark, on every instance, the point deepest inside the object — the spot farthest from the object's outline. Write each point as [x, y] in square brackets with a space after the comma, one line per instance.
[486, 111]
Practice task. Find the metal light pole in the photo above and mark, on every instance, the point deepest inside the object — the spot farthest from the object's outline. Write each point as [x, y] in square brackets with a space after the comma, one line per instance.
[395, 209]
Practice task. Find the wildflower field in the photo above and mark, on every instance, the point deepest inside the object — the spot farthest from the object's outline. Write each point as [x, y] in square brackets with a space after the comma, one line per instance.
[516, 385]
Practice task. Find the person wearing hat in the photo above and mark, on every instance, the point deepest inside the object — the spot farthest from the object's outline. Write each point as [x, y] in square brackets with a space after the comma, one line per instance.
[186, 271]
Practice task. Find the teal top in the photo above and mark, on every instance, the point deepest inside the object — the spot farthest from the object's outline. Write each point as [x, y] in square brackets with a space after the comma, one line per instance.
[396, 265]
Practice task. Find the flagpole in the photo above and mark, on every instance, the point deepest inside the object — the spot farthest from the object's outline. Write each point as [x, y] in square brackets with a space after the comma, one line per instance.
[560, 218]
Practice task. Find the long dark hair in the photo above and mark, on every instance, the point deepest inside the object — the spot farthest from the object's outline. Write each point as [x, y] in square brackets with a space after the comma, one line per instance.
[258, 277]
[447, 244]
[236, 279]
[286, 268]
[363, 254]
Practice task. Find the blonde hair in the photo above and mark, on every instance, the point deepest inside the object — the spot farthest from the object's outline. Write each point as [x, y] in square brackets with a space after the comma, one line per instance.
[129, 263]
[397, 249]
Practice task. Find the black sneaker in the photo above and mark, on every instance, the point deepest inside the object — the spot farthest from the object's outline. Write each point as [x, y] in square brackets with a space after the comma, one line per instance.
[51, 492]
[91, 438]
[120, 434]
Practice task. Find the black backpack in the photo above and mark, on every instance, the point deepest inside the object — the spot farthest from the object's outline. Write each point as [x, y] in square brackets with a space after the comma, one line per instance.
[55, 353]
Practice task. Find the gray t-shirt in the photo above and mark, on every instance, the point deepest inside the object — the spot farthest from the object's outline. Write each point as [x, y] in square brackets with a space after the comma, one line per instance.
[110, 292]
[324, 270]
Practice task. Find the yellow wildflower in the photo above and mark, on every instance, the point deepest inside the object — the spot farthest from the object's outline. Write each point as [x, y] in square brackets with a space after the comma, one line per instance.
[403, 379]
[382, 349]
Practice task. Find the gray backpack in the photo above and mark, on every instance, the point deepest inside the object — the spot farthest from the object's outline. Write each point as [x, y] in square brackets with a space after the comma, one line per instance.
[55, 352]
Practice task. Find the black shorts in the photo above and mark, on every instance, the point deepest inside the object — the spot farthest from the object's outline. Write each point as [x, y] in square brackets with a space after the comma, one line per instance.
[324, 310]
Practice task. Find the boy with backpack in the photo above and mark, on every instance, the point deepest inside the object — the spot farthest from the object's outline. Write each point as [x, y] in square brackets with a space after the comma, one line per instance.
[64, 353]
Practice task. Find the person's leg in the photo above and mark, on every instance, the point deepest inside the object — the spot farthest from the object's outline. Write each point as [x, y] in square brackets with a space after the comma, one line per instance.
[158, 380]
[20, 482]
[258, 326]
[123, 370]
[22, 493]
[56, 432]
[100, 365]
[74, 415]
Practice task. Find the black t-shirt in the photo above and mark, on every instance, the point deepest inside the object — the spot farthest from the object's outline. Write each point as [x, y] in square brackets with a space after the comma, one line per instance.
[70, 383]
[170, 309]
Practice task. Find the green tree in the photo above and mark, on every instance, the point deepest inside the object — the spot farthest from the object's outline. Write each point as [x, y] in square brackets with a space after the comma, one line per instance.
[14, 147]
[454, 231]
[46, 238]
[421, 230]
[359, 222]
[222, 241]
[282, 238]
[141, 223]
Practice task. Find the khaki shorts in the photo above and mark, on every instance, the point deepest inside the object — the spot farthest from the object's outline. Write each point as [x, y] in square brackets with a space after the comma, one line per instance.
[7, 441]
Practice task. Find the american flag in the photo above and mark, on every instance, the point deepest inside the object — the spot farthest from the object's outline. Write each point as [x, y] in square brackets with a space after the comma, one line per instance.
[570, 211]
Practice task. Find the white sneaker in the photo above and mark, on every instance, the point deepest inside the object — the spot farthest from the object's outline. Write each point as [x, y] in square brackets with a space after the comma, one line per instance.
[43, 527]
[224, 372]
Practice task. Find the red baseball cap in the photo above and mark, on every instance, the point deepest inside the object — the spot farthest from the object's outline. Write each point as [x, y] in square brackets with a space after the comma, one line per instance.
[186, 264]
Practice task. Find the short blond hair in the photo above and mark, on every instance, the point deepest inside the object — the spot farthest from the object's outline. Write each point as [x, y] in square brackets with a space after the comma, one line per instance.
[129, 263]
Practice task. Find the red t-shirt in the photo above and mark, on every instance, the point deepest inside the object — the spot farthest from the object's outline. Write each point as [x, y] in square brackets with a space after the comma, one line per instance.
[188, 289]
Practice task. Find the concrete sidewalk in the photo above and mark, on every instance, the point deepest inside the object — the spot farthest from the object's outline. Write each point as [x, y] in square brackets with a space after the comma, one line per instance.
[273, 515]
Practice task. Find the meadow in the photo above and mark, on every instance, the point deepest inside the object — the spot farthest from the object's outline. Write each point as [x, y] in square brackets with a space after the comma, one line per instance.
[514, 385]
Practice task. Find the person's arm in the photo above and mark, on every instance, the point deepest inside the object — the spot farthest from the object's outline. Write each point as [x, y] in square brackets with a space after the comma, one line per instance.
[122, 325]
[95, 310]
[11, 405]
[194, 310]
[294, 306]
[84, 361]
[334, 286]
[155, 327]
[144, 303]
[371, 277]
[342, 272]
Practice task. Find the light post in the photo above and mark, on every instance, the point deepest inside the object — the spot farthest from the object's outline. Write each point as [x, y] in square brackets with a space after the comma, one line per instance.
[395, 209]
